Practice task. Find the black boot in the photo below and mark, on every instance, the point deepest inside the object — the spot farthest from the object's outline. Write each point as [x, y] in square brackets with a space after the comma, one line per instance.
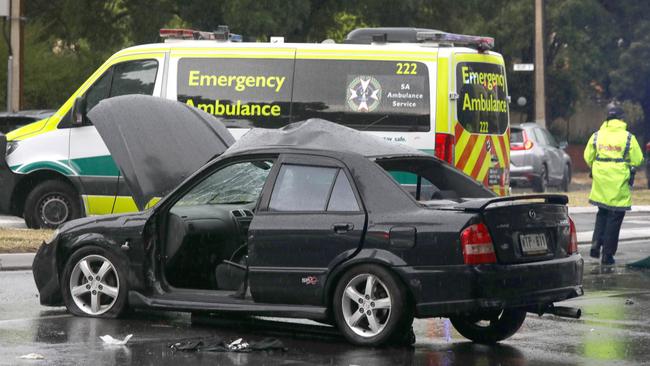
[608, 260]
[594, 253]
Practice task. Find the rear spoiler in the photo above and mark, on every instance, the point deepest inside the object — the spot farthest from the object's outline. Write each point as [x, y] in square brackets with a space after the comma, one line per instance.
[479, 205]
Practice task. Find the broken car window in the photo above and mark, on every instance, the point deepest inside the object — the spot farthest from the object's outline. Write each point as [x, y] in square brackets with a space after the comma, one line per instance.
[436, 180]
[238, 183]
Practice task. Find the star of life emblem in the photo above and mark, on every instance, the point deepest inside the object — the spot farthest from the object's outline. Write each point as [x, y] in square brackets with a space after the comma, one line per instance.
[364, 94]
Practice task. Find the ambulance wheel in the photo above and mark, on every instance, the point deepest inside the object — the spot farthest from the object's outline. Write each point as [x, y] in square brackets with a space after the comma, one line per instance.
[50, 204]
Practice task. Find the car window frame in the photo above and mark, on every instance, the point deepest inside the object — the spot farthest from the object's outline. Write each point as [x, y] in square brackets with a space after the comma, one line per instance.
[66, 121]
[552, 141]
[312, 161]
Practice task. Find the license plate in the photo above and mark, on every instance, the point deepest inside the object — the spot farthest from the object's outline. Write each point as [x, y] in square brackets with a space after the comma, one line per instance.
[533, 243]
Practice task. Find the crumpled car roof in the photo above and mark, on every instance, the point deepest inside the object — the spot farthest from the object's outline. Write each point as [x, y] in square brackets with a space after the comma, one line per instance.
[319, 134]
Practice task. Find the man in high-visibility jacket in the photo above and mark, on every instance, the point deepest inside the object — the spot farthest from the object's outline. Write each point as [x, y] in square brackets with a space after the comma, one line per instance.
[610, 153]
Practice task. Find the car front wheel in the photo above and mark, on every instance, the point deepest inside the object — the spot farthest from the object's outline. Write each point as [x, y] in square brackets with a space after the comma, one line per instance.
[489, 327]
[94, 284]
[371, 307]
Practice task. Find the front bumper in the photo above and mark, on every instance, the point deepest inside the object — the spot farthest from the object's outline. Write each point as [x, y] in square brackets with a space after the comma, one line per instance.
[8, 179]
[46, 275]
[447, 290]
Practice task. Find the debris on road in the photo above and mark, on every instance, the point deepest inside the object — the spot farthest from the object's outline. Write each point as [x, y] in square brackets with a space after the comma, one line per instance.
[216, 344]
[109, 340]
[32, 356]
[629, 302]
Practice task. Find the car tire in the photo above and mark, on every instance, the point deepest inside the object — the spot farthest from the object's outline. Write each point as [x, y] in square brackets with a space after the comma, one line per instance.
[50, 204]
[500, 325]
[540, 185]
[103, 296]
[566, 178]
[371, 307]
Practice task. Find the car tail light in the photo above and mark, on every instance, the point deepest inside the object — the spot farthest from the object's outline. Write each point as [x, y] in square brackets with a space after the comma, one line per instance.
[573, 240]
[444, 149]
[477, 246]
[526, 145]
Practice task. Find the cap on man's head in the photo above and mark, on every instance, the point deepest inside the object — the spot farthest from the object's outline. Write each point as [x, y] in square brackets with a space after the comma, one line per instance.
[614, 112]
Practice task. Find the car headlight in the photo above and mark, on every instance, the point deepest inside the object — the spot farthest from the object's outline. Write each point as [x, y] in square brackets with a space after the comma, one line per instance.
[11, 147]
[54, 236]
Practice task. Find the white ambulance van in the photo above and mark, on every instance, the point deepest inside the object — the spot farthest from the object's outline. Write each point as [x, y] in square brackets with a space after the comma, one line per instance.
[439, 92]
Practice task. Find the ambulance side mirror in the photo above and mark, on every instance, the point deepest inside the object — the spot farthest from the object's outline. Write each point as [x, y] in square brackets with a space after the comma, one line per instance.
[79, 111]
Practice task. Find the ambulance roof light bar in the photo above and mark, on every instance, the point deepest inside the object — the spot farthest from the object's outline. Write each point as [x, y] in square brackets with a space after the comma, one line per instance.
[482, 43]
[222, 34]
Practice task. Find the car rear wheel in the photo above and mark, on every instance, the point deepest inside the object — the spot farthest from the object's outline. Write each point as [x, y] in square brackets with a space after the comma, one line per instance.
[94, 284]
[50, 204]
[566, 178]
[371, 307]
[541, 184]
[489, 327]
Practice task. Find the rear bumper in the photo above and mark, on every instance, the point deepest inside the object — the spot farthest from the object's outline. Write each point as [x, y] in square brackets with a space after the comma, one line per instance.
[442, 291]
[46, 275]
[523, 175]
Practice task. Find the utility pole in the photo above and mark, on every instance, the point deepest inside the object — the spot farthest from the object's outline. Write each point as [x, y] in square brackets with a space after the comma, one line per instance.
[15, 64]
[540, 92]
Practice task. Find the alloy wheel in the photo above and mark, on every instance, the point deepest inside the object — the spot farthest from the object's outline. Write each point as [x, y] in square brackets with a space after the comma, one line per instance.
[94, 284]
[366, 305]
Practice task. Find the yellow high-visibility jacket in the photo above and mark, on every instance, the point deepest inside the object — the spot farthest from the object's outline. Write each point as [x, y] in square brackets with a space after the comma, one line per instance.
[610, 153]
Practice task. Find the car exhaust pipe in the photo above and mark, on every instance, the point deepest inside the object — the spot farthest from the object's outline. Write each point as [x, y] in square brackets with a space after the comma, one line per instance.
[563, 311]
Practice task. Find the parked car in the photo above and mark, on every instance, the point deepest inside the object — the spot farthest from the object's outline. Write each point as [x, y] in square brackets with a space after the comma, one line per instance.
[537, 160]
[647, 163]
[10, 121]
[306, 221]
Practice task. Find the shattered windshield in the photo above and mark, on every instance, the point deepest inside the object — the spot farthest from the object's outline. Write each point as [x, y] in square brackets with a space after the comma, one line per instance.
[239, 183]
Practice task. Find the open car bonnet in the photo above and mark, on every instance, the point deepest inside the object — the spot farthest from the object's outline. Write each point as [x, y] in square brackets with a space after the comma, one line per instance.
[157, 143]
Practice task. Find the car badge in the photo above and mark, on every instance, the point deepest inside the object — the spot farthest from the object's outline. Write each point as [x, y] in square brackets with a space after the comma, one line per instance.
[532, 214]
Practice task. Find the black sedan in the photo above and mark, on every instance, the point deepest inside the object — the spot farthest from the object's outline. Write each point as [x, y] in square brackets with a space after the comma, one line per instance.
[306, 221]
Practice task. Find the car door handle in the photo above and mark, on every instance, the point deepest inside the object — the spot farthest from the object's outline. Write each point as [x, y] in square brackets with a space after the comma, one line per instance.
[341, 228]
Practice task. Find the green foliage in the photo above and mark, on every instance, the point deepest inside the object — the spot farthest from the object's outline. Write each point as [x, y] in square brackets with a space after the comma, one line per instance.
[595, 49]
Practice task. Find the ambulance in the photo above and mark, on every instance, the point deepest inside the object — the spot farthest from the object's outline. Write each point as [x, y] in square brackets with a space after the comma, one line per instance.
[442, 93]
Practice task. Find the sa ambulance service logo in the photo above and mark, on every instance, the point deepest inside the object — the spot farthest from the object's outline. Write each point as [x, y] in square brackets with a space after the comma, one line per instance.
[364, 94]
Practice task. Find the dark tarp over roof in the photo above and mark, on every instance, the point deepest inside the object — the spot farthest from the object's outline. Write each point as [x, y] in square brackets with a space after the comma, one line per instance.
[157, 142]
[320, 134]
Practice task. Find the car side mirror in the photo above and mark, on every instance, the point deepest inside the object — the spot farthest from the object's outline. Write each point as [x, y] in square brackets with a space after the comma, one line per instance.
[563, 145]
[79, 111]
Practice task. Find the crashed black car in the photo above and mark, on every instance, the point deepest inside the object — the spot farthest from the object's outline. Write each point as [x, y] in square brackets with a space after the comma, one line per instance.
[306, 221]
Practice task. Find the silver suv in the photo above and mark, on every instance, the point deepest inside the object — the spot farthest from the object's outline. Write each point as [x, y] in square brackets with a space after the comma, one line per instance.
[537, 160]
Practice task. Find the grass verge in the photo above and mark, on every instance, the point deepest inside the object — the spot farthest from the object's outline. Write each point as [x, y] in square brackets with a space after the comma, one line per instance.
[22, 240]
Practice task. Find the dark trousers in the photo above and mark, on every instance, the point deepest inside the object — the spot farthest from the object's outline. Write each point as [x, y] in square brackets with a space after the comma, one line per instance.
[608, 226]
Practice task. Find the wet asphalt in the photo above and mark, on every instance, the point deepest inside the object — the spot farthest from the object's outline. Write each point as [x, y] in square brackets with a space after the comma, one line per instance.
[614, 329]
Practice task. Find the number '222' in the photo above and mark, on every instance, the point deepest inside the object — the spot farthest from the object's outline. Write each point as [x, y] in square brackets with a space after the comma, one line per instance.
[406, 68]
